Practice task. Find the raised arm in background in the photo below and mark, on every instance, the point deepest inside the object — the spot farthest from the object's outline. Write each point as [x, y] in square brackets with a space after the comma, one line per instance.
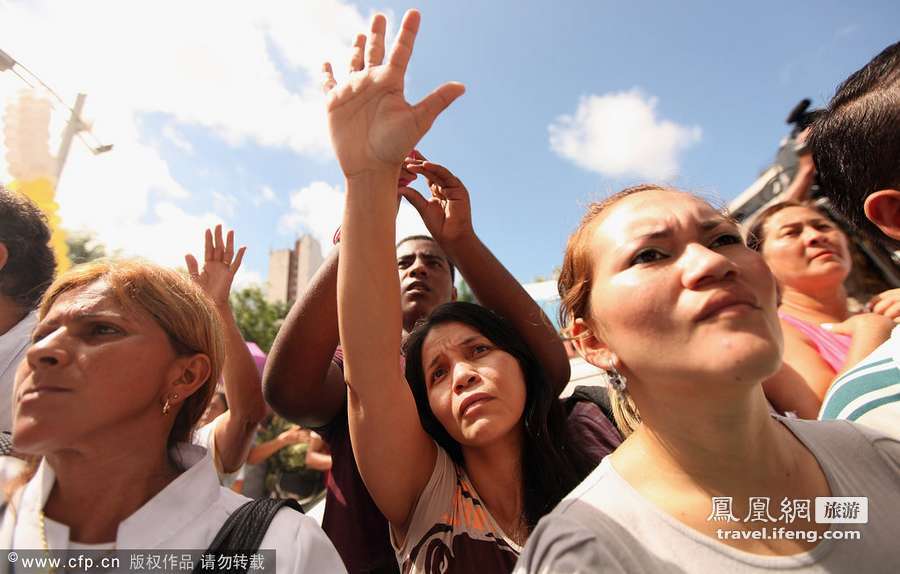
[372, 128]
[236, 428]
[301, 382]
[448, 216]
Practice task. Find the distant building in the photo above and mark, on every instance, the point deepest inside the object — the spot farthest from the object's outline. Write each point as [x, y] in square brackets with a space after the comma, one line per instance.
[291, 269]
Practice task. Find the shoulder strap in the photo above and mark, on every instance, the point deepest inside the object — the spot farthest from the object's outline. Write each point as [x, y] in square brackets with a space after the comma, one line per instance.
[245, 528]
[592, 394]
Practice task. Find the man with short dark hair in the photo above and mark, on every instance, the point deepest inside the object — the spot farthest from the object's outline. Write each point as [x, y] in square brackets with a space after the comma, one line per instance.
[26, 270]
[856, 148]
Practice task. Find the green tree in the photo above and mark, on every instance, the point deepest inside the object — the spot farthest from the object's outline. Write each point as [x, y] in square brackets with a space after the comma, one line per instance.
[257, 318]
[84, 247]
[464, 292]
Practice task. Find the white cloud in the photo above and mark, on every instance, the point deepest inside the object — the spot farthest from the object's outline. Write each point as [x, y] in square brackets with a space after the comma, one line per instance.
[247, 278]
[318, 209]
[172, 135]
[225, 203]
[246, 71]
[619, 135]
[265, 195]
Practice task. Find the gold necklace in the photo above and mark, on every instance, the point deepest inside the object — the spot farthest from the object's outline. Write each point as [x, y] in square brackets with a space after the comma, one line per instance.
[43, 524]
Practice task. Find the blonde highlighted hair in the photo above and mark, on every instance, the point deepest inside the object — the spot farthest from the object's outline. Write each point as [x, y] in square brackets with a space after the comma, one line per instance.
[175, 303]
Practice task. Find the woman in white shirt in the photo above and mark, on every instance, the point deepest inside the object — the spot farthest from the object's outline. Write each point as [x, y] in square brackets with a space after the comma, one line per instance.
[659, 289]
[123, 363]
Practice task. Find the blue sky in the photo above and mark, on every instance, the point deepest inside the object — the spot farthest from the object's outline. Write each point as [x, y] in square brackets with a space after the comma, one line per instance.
[213, 108]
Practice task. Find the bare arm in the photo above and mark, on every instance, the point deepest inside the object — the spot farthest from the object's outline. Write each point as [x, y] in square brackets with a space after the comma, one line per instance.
[498, 290]
[447, 214]
[317, 458]
[292, 435]
[236, 428]
[301, 382]
[789, 392]
[803, 366]
[372, 129]
[263, 451]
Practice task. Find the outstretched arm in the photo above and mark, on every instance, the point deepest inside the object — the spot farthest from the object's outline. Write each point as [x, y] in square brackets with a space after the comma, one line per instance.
[301, 382]
[372, 129]
[236, 428]
[448, 216]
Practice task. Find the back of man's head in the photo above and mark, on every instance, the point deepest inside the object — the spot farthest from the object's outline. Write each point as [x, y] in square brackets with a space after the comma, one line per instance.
[26, 259]
[856, 141]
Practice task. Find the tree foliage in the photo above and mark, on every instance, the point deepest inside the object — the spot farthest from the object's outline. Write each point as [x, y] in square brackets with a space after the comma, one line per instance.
[464, 292]
[257, 318]
[84, 247]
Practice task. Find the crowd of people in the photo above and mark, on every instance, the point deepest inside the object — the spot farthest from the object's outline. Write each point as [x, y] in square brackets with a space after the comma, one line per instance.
[737, 369]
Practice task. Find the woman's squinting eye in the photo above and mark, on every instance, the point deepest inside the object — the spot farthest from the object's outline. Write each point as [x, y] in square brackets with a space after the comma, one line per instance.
[480, 348]
[727, 239]
[437, 374]
[104, 329]
[649, 255]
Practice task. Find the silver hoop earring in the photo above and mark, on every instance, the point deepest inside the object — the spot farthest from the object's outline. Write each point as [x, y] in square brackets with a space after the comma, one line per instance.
[616, 379]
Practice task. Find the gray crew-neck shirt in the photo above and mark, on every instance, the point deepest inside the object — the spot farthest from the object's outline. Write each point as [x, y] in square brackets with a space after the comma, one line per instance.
[604, 525]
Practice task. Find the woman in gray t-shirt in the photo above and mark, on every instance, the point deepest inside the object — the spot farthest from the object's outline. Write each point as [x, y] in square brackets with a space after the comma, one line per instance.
[659, 289]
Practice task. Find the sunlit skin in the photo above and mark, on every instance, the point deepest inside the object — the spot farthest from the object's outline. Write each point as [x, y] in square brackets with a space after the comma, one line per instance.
[462, 366]
[663, 258]
[89, 398]
[687, 312]
[805, 250]
[215, 408]
[94, 369]
[425, 280]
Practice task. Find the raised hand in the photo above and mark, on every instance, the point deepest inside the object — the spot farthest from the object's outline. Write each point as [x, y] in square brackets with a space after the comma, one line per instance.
[372, 125]
[219, 265]
[447, 213]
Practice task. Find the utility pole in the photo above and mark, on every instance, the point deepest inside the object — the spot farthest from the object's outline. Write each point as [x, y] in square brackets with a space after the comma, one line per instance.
[74, 126]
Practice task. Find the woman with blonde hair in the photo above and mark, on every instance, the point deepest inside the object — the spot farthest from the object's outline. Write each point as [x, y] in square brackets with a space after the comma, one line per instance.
[123, 362]
[659, 289]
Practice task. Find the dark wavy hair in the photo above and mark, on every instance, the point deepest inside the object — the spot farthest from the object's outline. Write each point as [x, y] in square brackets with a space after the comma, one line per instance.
[552, 463]
[30, 265]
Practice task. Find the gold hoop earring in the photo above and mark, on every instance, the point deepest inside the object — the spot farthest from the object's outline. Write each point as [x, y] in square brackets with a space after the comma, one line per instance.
[167, 407]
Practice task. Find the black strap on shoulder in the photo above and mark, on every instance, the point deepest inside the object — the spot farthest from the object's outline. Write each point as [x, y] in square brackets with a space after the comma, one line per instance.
[592, 394]
[244, 530]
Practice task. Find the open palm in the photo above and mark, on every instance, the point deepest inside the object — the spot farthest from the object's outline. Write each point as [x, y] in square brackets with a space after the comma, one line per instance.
[372, 125]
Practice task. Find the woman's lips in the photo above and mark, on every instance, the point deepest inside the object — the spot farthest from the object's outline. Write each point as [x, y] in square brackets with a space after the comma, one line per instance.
[473, 401]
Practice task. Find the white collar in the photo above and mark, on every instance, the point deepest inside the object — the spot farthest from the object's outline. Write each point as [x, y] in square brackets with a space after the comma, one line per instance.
[16, 339]
[191, 493]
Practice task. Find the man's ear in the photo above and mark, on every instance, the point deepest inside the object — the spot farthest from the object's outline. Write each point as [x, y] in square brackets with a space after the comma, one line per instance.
[883, 209]
[188, 375]
[4, 255]
[590, 346]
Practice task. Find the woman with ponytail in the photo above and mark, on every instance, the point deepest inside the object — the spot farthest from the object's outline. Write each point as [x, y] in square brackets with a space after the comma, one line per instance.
[659, 289]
